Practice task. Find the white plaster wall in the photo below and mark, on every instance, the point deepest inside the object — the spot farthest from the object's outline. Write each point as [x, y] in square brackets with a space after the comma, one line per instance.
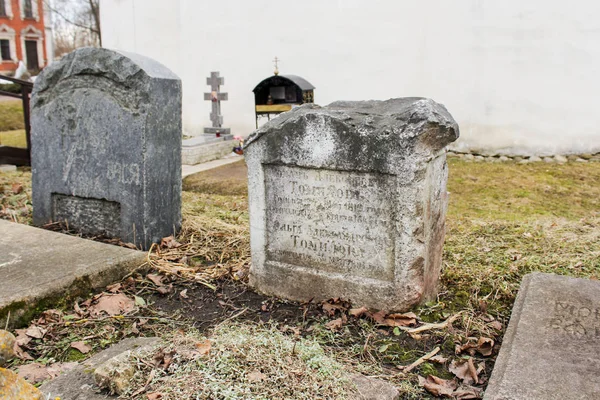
[516, 75]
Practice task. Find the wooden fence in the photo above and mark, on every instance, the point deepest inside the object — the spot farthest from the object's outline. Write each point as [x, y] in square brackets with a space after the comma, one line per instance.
[14, 155]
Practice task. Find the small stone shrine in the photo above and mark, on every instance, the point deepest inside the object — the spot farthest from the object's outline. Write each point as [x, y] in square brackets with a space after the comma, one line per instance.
[349, 201]
[551, 349]
[215, 97]
[106, 146]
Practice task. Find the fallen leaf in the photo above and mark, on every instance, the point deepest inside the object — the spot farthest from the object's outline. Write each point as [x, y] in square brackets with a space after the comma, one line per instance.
[485, 346]
[438, 386]
[464, 370]
[35, 332]
[358, 312]
[169, 242]
[378, 317]
[22, 354]
[22, 338]
[81, 346]
[156, 279]
[465, 392]
[17, 188]
[335, 324]
[203, 347]
[496, 325]
[50, 316]
[408, 319]
[163, 359]
[330, 309]
[468, 347]
[165, 289]
[34, 373]
[111, 305]
[256, 376]
[438, 359]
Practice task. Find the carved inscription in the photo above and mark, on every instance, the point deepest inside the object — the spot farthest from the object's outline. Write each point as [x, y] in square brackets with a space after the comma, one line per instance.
[576, 320]
[126, 173]
[333, 221]
[87, 215]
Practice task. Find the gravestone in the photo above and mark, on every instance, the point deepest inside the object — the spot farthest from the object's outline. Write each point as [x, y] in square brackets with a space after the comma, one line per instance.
[106, 146]
[349, 201]
[551, 349]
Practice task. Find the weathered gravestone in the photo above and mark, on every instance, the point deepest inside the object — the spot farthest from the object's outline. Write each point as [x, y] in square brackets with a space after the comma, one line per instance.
[106, 146]
[551, 349]
[349, 201]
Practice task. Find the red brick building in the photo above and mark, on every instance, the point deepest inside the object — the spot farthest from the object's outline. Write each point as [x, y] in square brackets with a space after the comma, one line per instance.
[22, 35]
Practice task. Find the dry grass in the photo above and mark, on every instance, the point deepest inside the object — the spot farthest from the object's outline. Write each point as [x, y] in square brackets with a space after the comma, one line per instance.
[214, 240]
[15, 196]
[245, 362]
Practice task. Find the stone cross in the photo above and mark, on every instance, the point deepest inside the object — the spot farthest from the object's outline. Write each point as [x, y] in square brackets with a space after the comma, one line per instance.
[215, 96]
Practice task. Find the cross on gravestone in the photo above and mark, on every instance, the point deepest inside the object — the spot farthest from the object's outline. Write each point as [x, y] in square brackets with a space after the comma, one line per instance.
[215, 96]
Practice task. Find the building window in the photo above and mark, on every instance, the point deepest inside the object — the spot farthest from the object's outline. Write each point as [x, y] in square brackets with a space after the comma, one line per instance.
[5, 49]
[28, 9]
[3, 12]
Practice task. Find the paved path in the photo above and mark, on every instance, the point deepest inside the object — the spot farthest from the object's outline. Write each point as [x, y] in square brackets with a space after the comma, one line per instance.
[187, 170]
[39, 267]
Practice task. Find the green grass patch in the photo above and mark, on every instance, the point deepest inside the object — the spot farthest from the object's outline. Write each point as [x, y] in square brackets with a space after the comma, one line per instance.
[523, 192]
[11, 115]
[14, 138]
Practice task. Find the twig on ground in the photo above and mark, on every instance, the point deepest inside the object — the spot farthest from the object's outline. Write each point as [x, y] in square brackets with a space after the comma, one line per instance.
[440, 325]
[419, 361]
[234, 316]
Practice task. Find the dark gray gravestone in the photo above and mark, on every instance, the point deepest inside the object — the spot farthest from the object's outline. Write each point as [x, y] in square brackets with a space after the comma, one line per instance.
[551, 349]
[106, 146]
[349, 201]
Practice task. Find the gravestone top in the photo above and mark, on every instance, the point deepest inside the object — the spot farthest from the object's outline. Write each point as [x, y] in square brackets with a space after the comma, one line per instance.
[371, 132]
[106, 146]
[550, 350]
[349, 201]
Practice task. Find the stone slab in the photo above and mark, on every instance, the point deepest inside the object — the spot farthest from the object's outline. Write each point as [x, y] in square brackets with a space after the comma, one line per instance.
[213, 130]
[40, 268]
[349, 201]
[207, 152]
[8, 168]
[106, 146]
[204, 139]
[79, 384]
[551, 348]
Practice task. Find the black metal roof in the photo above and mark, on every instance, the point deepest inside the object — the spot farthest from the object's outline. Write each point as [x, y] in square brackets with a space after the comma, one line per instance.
[302, 83]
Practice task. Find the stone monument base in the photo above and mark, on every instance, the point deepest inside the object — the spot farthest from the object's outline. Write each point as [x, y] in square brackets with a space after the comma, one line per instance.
[206, 148]
[213, 131]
